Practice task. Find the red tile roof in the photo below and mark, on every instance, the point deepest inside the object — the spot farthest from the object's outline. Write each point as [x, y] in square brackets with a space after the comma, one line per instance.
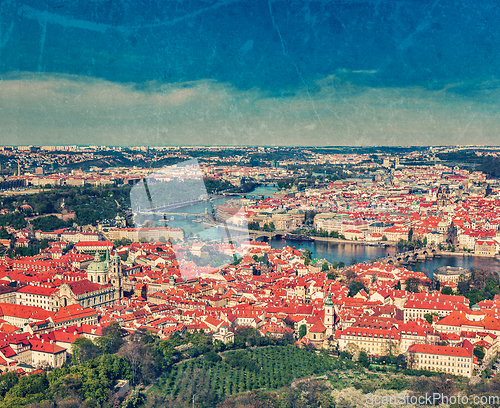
[439, 350]
[41, 345]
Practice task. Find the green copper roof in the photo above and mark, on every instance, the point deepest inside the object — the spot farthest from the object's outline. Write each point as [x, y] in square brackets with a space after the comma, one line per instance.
[98, 265]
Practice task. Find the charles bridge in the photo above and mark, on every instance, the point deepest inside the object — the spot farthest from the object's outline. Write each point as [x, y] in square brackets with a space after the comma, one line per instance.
[414, 256]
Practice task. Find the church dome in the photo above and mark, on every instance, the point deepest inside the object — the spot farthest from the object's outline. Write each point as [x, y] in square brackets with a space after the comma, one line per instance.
[97, 265]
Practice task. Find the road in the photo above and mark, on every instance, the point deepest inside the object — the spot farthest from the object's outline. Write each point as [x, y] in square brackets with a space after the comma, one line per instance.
[486, 363]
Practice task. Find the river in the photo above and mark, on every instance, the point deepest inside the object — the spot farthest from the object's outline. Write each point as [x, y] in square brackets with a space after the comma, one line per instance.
[340, 252]
[349, 253]
[198, 210]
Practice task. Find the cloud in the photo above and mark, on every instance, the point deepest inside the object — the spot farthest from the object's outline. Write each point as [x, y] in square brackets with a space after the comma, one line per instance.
[63, 109]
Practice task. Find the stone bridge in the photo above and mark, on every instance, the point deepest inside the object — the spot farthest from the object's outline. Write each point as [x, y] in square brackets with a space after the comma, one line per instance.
[254, 234]
[409, 257]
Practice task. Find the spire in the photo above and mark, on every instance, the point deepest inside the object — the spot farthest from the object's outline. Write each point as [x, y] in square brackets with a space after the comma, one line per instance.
[328, 301]
[107, 254]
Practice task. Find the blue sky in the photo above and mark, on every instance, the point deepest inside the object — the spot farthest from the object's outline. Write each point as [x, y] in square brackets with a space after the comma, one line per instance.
[249, 72]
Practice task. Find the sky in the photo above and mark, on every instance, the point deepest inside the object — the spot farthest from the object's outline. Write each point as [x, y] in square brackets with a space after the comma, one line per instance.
[206, 72]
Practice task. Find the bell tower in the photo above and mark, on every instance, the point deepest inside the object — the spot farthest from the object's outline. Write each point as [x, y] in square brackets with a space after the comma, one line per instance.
[116, 276]
[329, 322]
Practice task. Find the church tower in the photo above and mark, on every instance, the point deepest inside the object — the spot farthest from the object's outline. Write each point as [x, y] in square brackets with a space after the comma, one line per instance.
[116, 275]
[452, 234]
[329, 322]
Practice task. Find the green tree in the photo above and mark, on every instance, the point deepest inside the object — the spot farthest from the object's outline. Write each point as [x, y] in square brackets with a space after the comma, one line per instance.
[429, 317]
[302, 330]
[413, 285]
[325, 267]
[31, 384]
[363, 359]
[112, 339]
[410, 234]
[401, 363]
[446, 290]
[84, 350]
[355, 287]
[463, 285]
[7, 381]
[479, 352]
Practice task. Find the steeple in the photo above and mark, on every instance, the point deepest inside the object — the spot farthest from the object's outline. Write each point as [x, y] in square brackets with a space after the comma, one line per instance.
[328, 301]
[116, 276]
[329, 319]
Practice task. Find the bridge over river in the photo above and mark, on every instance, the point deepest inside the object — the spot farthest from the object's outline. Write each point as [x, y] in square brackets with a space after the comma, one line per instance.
[414, 256]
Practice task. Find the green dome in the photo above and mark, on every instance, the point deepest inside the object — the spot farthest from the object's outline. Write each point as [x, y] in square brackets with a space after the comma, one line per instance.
[98, 265]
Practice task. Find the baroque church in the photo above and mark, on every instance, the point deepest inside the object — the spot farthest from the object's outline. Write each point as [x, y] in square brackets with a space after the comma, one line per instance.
[103, 286]
[107, 271]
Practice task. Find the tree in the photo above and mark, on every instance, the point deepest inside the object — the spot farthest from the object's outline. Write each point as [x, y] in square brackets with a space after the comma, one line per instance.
[463, 286]
[84, 350]
[7, 381]
[429, 317]
[112, 340]
[447, 290]
[363, 359]
[401, 362]
[355, 287]
[140, 358]
[332, 274]
[135, 400]
[410, 234]
[302, 331]
[479, 352]
[413, 285]
[212, 357]
[324, 267]
[350, 275]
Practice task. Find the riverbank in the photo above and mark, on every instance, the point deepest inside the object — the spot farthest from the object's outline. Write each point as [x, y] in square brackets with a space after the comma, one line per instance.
[339, 250]
[468, 254]
[459, 253]
[346, 241]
